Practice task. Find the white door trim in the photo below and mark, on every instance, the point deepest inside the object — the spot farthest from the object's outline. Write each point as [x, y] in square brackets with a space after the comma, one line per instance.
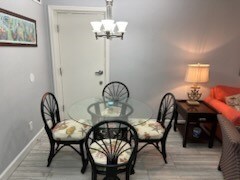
[55, 54]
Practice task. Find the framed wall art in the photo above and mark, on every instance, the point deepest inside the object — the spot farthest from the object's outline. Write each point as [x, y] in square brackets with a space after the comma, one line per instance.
[38, 1]
[17, 30]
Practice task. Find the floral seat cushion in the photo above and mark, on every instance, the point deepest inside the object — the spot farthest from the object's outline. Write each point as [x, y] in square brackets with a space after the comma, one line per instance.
[96, 150]
[113, 111]
[148, 129]
[70, 130]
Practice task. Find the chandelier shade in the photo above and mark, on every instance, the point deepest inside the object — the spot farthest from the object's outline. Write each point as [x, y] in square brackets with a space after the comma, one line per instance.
[108, 25]
[122, 25]
[108, 28]
[96, 26]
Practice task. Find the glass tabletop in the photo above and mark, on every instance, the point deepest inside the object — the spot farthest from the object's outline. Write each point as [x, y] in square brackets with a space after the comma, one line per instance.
[94, 110]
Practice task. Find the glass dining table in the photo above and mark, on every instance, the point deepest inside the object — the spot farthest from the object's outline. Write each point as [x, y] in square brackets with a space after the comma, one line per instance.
[93, 110]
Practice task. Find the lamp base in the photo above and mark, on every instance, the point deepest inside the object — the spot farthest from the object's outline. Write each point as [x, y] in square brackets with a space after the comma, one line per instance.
[192, 103]
[194, 95]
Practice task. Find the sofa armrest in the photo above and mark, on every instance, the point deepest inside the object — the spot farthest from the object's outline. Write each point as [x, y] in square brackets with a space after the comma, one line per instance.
[230, 159]
[238, 128]
[230, 113]
[229, 130]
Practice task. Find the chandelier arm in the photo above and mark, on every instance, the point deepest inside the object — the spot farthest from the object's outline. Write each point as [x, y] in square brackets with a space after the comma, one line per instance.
[101, 35]
[108, 35]
[117, 35]
[122, 36]
[96, 35]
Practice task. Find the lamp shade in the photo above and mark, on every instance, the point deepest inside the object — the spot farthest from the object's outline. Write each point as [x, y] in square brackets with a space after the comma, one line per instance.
[197, 73]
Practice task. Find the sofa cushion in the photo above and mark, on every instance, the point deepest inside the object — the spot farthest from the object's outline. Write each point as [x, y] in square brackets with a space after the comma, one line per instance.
[220, 92]
[233, 101]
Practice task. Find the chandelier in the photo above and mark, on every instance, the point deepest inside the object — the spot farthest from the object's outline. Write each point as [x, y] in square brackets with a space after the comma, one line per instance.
[107, 28]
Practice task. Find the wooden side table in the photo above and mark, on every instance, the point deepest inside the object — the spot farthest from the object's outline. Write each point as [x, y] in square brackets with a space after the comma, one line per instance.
[198, 114]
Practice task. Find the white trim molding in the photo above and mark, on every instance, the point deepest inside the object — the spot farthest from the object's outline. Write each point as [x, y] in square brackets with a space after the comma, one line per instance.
[20, 157]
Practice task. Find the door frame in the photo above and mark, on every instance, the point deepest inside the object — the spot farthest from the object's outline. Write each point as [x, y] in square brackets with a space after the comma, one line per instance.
[55, 52]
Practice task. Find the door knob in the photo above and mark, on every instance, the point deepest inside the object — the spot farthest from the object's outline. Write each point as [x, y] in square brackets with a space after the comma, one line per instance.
[98, 73]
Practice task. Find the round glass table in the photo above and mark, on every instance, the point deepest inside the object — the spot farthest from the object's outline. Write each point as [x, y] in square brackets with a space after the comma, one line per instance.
[94, 110]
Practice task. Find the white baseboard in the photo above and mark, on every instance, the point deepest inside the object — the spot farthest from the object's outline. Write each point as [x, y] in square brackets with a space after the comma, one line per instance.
[20, 157]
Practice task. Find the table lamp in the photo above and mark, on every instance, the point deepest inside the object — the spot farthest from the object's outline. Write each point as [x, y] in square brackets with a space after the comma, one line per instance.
[196, 73]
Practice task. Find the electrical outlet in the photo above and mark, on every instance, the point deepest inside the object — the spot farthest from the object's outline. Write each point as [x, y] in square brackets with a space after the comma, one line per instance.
[31, 126]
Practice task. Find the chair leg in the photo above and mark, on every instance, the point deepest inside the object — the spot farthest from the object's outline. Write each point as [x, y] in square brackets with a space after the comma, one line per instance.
[142, 147]
[163, 152]
[94, 175]
[163, 143]
[127, 175]
[84, 160]
[132, 171]
[51, 153]
[57, 147]
[132, 166]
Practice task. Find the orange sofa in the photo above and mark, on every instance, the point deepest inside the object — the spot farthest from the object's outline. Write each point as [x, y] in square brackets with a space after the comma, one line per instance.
[216, 99]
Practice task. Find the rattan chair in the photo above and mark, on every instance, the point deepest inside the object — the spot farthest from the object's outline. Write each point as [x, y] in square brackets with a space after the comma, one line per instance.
[155, 131]
[116, 91]
[112, 148]
[230, 159]
[62, 133]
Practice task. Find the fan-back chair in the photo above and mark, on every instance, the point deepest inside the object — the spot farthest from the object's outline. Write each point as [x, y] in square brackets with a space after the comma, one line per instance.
[62, 133]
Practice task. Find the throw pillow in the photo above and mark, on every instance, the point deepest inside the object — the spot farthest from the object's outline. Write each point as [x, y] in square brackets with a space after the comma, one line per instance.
[233, 101]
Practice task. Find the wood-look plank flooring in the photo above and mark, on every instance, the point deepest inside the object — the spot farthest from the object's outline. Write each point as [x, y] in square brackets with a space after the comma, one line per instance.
[196, 162]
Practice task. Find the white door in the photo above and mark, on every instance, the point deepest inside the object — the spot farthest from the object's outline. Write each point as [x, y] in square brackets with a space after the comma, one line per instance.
[82, 57]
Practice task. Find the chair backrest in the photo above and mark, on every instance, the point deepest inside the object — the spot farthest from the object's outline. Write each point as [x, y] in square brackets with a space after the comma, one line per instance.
[115, 91]
[167, 110]
[49, 110]
[112, 144]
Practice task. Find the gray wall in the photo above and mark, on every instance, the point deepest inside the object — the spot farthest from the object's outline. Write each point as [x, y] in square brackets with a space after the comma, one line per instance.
[164, 36]
[19, 98]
